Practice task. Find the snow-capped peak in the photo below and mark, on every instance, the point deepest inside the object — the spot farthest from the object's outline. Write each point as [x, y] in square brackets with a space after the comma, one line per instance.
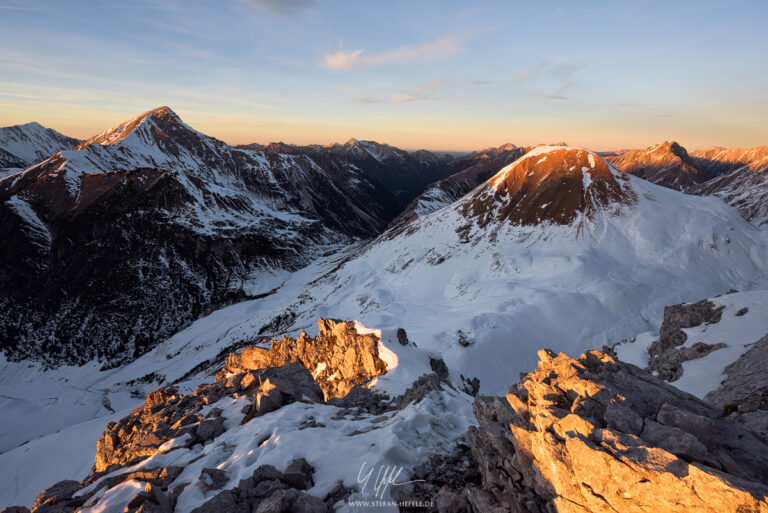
[550, 184]
[160, 118]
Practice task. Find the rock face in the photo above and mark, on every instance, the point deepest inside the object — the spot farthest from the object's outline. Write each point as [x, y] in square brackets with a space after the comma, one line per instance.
[743, 395]
[597, 435]
[338, 358]
[666, 355]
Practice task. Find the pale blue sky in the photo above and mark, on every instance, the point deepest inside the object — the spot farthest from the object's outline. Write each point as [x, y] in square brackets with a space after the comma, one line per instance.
[447, 75]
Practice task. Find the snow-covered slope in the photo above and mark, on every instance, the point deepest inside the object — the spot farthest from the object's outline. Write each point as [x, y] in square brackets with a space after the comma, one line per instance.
[746, 189]
[557, 250]
[24, 145]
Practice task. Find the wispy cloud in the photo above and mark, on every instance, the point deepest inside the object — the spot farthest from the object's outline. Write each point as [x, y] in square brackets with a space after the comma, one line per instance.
[19, 8]
[435, 50]
[553, 78]
[423, 91]
[411, 94]
[281, 8]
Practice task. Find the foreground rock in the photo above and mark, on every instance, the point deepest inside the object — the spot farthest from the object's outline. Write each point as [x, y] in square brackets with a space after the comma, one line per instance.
[338, 358]
[202, 452]
[597, 435]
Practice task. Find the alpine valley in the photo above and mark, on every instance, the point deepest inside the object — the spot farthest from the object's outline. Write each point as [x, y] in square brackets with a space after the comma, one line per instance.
[189, 326]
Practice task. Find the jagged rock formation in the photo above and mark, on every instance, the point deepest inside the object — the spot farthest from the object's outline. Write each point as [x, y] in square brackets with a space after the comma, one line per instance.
[598, 435]
[168, 415]
[666, 164]
[666, 354]
[338, 358]
[24, 145]
[717, 349]
[142, 229]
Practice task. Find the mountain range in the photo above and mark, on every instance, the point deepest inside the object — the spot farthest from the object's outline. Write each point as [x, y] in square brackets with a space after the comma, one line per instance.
[146, 268]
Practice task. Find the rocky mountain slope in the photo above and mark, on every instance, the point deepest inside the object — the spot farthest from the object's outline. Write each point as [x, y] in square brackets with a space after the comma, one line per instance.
[465, 174]
[597, 435]
[718, 160]
[666, 164]
[24, 145]
[139, 230]
[745, 188]
[404, 174]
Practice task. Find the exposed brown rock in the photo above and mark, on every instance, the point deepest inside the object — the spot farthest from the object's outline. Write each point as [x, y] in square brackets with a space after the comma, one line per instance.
[666, 164]
[566, 440]
[338, 358]
[554, 187]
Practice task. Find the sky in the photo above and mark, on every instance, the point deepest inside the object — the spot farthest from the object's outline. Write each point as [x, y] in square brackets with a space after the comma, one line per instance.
[439, 75]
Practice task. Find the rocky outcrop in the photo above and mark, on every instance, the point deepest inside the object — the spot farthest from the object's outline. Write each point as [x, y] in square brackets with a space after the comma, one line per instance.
[667, 355]
[168, 415]
[138, 451]
[269, 490]
[338, 358]
[743, 395]
[598, 435]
